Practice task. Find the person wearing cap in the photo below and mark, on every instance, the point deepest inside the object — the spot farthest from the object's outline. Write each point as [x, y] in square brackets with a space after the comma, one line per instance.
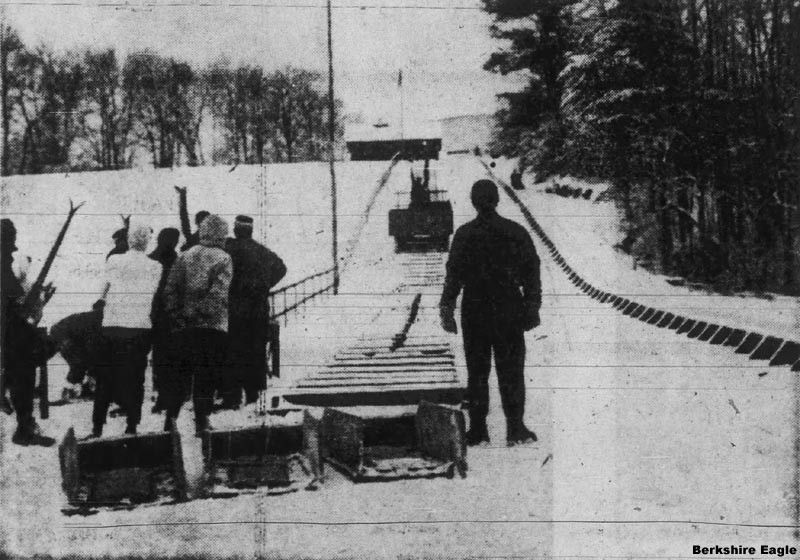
[256, 270]
[131, 280]
[192, 238]
[196, 303]
[494, 263]
[22, 348]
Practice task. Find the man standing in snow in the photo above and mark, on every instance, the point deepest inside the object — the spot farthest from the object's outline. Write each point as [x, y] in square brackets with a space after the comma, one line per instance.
[256, 270]
[22, 348]
[495, 263]
[163, 347]
[196, 302]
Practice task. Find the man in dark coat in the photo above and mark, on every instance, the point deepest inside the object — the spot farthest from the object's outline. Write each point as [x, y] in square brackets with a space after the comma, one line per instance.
[22, 348]
[494, 262]
[256, 270]
[163, 345]
[78, 338]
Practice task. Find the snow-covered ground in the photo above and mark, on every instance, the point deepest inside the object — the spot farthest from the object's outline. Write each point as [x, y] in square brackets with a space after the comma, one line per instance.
[649, 442]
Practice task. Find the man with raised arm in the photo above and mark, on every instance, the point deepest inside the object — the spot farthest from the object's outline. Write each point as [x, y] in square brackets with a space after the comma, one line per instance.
[192, 238]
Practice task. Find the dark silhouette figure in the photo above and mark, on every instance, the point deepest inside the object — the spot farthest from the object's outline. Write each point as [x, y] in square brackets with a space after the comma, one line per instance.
[163, 345]
[420, 187]
[22, 348]
[494, 262]
[120, 238]
[256, 270]
[192, 238]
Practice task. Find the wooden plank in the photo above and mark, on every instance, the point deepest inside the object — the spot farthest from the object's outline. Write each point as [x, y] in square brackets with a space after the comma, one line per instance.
[388, 365]
[768, 348]
[401, 352]
[787, 355]
[749, 344]
[312, 384]
[412, 343]
[393, 356]
[384, 376]
[381, 378]
[383, 349]
[383, 372]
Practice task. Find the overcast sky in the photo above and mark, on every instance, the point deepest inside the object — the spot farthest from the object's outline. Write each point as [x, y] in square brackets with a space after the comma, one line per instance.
[440, 45]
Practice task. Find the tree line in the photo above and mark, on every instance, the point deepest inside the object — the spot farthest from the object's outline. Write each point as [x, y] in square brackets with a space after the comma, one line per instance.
[690, 108]
[93, 110]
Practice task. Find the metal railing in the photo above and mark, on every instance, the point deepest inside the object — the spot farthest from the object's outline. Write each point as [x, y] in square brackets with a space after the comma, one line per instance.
[293, 296]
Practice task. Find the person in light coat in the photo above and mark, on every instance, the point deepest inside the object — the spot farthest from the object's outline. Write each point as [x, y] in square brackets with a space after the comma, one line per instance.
[131, 280]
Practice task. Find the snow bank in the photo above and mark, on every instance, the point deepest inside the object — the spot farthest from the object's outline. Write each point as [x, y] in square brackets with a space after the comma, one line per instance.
[585, 233]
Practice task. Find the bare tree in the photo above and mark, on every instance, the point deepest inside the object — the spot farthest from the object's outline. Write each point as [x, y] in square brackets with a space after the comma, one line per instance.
[161, 91]
[110, 117]
[10, 47]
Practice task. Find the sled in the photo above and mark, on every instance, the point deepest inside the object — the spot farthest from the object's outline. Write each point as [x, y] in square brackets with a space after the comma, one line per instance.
[280, 457]
[122, 471]
[382, 444]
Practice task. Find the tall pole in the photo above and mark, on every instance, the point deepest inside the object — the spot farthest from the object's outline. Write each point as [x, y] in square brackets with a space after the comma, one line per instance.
[331, 141]
[402, 109]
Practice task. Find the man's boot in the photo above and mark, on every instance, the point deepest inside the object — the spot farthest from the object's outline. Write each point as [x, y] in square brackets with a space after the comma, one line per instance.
[477, 433]
[97, 431]
[518, 434]
[29, 433]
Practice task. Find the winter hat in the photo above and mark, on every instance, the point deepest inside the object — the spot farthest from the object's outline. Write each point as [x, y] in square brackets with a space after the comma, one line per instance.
[484, 195]
[213, 231]
[168, 238]
[243, 227]
[200, 216]
[139, 237]
[243, 221]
